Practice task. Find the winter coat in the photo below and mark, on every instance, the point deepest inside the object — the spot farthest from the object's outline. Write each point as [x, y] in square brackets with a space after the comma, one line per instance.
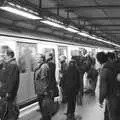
[72, 79]
[9, 78]
[62, 72]
[107, 81]
[41, 78]
[52, 79]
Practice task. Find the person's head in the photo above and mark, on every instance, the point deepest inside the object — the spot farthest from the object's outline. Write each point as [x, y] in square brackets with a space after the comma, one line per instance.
[84, 52]
[40, 58]
[6, 53]
[111, 56]
[101, 57]
[49, 56]
[72, 62]
[62, 59]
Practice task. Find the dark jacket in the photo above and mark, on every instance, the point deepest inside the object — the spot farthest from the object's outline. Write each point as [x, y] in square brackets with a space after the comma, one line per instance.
[72, 79]
[107, 81]
[9, 78]
[52, 79]
[62, 72]
[41, 79]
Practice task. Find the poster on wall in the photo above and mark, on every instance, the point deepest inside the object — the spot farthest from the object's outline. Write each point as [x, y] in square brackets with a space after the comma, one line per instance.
[26, 56]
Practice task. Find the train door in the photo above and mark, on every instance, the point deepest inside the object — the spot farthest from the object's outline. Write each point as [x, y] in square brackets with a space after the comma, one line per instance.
[26, 60]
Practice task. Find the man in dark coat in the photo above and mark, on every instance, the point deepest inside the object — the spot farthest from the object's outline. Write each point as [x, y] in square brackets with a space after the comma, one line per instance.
[108, 86]
[72, 86]
[9, 78]
[52, 79]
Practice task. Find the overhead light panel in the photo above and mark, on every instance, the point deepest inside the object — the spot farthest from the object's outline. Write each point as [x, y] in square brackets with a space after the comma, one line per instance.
[18, 10]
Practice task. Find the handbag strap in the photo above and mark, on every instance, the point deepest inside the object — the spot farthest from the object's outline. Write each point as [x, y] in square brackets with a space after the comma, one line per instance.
[37, 69]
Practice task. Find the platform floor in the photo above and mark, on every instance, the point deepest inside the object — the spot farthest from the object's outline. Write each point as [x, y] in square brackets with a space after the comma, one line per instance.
[90, 110]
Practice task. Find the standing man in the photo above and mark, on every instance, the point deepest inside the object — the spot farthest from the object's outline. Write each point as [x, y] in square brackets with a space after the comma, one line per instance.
[72, 86]
[52, 79]
[9, 78]
[41, 82]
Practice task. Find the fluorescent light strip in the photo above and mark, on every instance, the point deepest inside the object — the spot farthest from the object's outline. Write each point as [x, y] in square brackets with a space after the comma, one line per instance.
[20, 12]
[52, 23]
[83, 34]
[71, 30]
[101, 40]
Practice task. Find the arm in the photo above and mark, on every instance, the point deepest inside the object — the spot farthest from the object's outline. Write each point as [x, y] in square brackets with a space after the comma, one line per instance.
[44, 72]
[13, 83]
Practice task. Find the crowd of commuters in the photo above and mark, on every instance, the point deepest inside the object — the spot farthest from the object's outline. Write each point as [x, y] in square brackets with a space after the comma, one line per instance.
[110, 84]
[71, 82]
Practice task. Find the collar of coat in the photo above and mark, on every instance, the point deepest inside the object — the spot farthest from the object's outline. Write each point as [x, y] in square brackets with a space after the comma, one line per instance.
[11, 60]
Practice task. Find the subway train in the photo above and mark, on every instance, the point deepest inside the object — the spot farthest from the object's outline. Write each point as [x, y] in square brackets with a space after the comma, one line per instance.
[26, 47]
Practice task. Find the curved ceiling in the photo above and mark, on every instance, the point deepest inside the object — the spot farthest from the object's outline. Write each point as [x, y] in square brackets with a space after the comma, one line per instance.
[97, 17]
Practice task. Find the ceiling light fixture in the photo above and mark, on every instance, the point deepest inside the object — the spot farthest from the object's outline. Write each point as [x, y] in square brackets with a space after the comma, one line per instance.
[18, 10]
[71, 29]
[51, 23]
[83, 34]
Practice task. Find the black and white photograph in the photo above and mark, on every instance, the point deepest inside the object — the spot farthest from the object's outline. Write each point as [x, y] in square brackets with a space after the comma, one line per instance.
[59, 59]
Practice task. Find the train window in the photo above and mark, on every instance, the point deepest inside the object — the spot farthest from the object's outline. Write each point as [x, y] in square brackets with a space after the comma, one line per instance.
[62, 50]
[26, 56]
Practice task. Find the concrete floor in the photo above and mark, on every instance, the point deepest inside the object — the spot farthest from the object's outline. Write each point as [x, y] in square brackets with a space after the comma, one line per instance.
[90, 110]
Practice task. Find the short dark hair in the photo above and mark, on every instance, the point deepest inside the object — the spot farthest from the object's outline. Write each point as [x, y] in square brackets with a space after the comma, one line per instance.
[10, 53]
[101, 57]
[43, 57]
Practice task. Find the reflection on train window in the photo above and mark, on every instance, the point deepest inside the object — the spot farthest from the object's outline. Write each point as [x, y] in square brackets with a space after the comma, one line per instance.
[62, 50]
[27, 52]
[75, 52]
